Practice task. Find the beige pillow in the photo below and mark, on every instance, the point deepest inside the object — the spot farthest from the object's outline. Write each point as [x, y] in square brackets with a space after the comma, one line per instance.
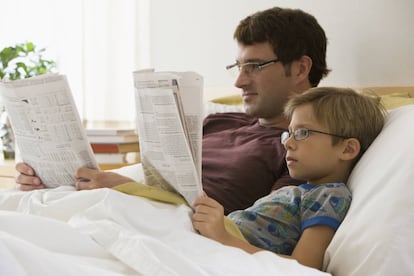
[235, 99]
[395, 100]
[390, 101]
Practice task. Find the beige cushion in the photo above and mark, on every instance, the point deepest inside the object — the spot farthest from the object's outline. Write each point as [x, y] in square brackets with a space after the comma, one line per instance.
[235, 99]
[394, 100]
[391, 97]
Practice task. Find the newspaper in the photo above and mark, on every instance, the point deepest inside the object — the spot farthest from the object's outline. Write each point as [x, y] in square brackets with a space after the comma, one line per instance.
[169, 123]
[47, 127]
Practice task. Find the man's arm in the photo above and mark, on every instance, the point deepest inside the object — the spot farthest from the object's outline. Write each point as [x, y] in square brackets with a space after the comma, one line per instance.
[88, 178]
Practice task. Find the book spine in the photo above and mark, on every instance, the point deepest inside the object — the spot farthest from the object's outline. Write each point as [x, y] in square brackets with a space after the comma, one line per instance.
[115, 148]
[102, 148]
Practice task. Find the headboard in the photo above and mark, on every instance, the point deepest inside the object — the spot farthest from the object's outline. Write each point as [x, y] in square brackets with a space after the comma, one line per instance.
[383, 90]
[392, 96]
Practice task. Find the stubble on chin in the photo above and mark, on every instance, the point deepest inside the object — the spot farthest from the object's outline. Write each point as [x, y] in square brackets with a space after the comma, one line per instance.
[250, 110]
[253, 107]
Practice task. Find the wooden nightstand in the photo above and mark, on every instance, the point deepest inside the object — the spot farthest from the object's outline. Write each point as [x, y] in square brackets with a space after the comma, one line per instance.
[7, 174]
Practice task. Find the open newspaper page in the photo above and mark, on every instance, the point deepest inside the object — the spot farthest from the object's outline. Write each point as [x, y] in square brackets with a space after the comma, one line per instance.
[169, 122]
[47, 128]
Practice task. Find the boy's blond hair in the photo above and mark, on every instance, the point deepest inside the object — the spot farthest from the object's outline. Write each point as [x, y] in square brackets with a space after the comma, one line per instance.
[344, 111]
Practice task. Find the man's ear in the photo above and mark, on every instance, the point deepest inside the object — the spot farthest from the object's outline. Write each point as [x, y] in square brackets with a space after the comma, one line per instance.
[302, 68]
[350, 149]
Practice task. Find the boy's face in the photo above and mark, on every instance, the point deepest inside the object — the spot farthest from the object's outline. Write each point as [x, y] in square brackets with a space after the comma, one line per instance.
[313, 159]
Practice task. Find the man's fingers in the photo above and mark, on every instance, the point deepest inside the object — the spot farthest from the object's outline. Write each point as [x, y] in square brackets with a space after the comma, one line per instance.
[85, 173]
[28, 180]
[24, 169]
[85, 185]
[24, 187]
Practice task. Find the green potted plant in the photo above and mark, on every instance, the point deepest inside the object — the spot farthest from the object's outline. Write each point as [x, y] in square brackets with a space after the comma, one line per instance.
[24, 60]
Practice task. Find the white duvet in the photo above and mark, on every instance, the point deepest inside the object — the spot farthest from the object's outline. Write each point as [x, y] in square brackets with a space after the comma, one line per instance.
[106, 232]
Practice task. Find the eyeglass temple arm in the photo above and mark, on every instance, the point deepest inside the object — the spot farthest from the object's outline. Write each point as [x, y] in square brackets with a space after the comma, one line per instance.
[228, 67]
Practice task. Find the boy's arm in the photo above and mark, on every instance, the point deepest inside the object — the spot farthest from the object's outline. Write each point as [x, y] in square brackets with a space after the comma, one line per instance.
[309, 251]
[311, 247]
[208, 219]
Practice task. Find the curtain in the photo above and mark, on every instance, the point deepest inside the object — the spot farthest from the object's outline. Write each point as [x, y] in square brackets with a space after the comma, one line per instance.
[97, 44]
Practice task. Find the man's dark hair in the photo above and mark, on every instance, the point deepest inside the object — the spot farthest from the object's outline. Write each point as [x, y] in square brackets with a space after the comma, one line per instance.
[292, 34]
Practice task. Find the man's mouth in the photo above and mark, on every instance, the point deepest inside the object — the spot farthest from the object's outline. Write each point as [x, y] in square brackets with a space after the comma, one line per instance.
[247, 96]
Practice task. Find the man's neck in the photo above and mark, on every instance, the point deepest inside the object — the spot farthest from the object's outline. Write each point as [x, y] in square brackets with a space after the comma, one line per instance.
[279, 122]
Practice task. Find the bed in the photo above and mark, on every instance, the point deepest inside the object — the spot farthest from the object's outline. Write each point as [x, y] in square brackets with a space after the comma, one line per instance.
[106, 232]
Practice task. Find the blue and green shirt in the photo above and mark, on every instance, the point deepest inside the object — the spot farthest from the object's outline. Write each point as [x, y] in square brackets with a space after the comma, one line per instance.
[276, 222]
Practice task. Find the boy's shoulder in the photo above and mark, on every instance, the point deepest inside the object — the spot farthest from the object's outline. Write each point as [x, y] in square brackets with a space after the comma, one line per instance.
[326, 192]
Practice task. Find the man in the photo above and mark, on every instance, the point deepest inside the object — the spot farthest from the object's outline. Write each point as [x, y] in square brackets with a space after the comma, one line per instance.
[280, 52]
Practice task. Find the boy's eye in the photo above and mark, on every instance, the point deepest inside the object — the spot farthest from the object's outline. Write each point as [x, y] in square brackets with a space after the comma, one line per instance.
[301, 133]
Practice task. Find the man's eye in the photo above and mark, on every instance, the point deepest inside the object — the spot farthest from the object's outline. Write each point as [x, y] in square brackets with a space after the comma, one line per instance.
[255, 67]
[249, 67]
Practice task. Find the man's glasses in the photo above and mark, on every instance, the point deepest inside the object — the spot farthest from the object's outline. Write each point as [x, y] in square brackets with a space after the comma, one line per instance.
[250, 68]
[303, 133]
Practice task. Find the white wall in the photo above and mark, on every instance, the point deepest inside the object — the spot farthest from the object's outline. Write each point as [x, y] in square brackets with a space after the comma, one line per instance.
[371, 42]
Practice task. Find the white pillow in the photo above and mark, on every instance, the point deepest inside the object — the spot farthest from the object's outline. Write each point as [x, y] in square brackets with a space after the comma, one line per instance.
[210, 107]
[133, 171]
[376, 237]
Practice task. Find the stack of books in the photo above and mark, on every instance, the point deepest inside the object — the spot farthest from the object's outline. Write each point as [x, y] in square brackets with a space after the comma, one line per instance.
[113, 147]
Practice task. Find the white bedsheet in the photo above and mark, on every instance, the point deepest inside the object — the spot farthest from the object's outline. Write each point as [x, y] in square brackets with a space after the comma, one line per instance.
[105, 232]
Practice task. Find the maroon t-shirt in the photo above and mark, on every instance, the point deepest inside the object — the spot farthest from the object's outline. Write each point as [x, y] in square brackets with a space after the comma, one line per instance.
[242, 161]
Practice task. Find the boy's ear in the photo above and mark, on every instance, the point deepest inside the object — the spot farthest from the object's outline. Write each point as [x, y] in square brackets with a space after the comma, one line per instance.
[350, 149]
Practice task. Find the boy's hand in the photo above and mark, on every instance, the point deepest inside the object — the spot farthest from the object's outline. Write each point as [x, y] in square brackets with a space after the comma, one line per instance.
[208, 218]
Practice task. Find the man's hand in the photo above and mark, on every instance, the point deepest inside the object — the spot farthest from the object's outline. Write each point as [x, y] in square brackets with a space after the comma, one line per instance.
[27, 179]
[93, 179]
[87, 179]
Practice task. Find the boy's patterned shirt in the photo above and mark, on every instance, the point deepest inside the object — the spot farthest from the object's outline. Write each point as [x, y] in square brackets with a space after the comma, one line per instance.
[276, 222]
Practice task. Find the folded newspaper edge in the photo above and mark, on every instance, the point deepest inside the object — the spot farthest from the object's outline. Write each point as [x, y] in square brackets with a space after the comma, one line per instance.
[47, 127]
[169, 114]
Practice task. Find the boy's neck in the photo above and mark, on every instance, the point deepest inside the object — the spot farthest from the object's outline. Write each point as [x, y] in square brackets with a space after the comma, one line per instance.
[340, 177]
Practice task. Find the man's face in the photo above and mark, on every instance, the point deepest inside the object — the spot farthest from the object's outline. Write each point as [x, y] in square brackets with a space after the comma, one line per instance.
[264, 92]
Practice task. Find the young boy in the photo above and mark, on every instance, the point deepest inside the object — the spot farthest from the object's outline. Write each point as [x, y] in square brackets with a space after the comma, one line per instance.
[330, 128]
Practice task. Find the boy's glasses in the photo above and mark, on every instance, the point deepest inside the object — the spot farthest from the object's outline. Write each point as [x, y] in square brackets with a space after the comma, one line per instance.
[250, 68]
[303, 133]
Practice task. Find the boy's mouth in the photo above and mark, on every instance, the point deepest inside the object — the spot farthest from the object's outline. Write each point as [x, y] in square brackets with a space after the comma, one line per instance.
[290, 160]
